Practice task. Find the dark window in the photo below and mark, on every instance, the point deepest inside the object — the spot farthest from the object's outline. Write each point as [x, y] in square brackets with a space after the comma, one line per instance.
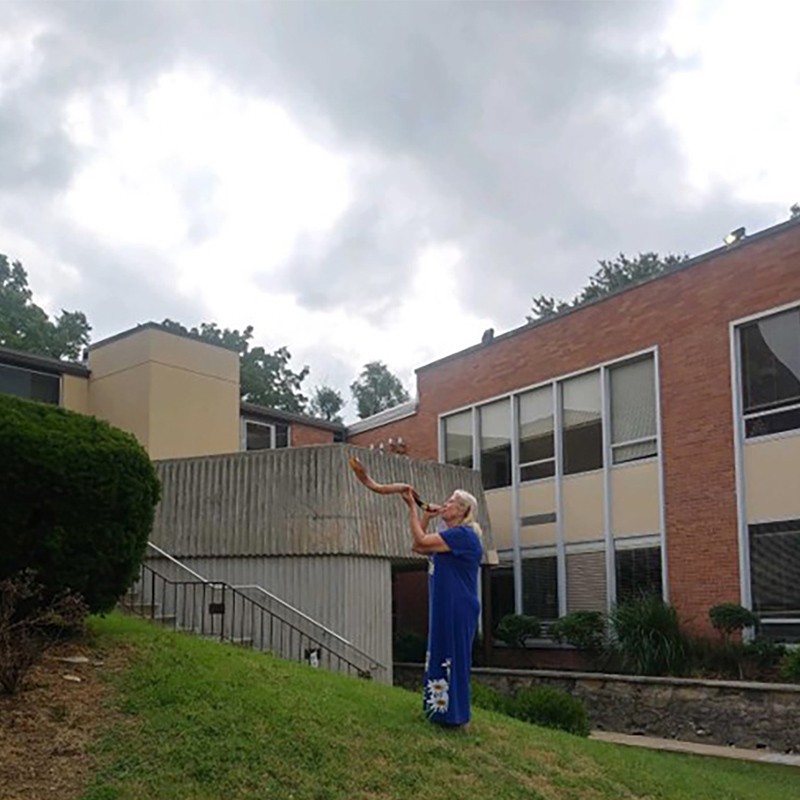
[770, 358]
[502, 583]
[30, 384]
[638, 573]
[458, 439]
[281, 435]
[266, 436]
[540, 587]
[536, 436]
[582, 423]
[338, 436]
[495, 422]
[775, 568]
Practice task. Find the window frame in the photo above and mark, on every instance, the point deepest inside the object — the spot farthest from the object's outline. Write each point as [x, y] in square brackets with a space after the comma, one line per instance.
[273, 426]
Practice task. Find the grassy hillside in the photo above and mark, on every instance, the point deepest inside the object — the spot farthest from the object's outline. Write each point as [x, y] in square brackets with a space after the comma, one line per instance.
[204, 720]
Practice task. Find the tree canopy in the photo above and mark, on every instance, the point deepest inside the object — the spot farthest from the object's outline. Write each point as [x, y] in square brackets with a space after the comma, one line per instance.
[265, 378]
[377, 389]
[326, 403]
[25, 326]
[611, 277]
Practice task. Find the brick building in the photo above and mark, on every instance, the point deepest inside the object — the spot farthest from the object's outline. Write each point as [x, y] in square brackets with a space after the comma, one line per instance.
[649, 440]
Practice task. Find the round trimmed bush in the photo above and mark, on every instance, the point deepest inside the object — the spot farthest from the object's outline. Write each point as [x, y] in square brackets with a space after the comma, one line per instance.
[79, 500]
[582, 629]
[550, 708]
[514, 629]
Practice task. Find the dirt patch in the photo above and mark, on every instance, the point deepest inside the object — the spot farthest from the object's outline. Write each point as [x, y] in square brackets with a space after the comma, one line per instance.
[47, 728]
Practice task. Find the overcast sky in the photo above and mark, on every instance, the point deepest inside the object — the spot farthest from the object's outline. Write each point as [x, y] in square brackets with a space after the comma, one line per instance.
[380, 180]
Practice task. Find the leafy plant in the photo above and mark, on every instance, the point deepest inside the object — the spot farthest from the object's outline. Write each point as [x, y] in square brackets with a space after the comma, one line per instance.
[790, 666]
[582, 629]
[514, 629]
[550, 708]
[79, 498]
[482, 696]
[647, 637]
[729, 618]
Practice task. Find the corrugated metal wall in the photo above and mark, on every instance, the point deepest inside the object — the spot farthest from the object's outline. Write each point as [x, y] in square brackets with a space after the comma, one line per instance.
[298, 501]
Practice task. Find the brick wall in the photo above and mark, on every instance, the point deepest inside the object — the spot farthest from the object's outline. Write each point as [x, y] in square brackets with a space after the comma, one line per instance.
[302, 435]
[687, 315]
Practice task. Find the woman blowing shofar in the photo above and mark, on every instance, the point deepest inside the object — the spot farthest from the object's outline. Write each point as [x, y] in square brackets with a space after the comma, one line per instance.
[453, 605]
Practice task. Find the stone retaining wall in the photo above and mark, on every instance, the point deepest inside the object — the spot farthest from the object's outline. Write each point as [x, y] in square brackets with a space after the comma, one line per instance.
[751, 715]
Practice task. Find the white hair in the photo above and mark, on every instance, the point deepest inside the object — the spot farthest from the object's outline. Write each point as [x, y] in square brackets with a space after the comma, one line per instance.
[471, 504]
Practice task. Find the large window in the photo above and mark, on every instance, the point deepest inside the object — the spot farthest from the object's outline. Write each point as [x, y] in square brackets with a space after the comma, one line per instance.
[265, 436]
[638, 573]
[633, 410]
[536, 435]
[458, 439]
[540, 587]
[775, 568]
[495, 425]
[583, 423]
[30, 384]
[770, 359]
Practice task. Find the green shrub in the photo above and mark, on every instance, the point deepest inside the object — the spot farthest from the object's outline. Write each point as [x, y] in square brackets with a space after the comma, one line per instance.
[767, 654]
[410, 647]
[513, 629]
[729, 618]
[582, 629]
[79, 501]
[790, 666]
[482, 696]
[550, 708]
[647, 637]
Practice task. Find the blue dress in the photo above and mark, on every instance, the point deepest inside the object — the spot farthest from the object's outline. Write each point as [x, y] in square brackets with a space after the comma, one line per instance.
[453, 610]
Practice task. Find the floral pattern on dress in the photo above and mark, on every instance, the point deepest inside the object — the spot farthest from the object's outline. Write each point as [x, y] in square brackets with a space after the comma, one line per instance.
[437, 693]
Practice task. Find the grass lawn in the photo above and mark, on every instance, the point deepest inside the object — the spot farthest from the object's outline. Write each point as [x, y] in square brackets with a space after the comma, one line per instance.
[204, 720]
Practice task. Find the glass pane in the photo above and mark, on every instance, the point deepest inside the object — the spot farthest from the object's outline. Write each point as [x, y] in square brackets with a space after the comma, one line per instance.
[582, 421]
[281, 435]
[631, 452]
[633, 401]
[30, 385]
[540, 587]
[495, 421]
[536, 441]
[775, 568]
[458, 439]
[502, 588]
[770, 353]
[259, 437]
[773, 423]
[638, 573]
[534, 472]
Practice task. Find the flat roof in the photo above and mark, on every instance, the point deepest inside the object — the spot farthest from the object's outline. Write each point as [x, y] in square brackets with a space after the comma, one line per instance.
[157, 326]
[774, 230]
[252, 409]
[19, 358]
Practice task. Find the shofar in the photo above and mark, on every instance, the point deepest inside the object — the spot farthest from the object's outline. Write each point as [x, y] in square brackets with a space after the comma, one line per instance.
[384, 488]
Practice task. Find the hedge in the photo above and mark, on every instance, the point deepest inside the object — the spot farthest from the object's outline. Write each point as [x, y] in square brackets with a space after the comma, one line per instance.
[78, 501]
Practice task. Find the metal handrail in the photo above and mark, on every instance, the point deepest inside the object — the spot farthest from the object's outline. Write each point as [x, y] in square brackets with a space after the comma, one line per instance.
[169, 589]
[311, 620]
[177, 563]
[274, 598]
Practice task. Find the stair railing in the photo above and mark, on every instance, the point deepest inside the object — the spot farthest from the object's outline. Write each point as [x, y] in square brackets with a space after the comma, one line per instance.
[231, 613]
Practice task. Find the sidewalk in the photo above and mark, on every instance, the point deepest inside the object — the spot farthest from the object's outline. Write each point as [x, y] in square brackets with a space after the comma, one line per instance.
[715, 750]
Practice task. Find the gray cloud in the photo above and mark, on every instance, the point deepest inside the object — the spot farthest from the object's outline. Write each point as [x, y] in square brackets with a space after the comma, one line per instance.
[525, 133]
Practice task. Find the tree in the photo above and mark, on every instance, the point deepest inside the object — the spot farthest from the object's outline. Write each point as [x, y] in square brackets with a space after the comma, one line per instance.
[265, 378]
[794, 210]
[326, 403]
[610, 278]
[25, 326]
[377, 389]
